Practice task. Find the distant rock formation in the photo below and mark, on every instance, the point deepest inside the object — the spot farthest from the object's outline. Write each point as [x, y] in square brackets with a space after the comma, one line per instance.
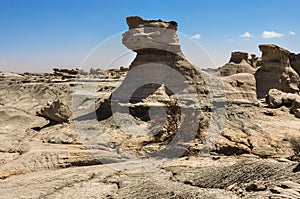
[238, 57]
[276, 71]
[238, 63]
[66, 73]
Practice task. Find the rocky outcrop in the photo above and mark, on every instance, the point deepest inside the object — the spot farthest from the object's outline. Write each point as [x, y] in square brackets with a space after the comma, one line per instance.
[276, 71]
[254, 61]
[158, 71]
[238, 63]
[57, 111]
[155, 34]
[238, 57]
[295, 62]
[66, 73]
[240, 88]
[276, 98]
[134, 22]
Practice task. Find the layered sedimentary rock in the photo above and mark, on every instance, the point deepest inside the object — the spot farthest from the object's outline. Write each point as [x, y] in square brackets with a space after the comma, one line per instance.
[155, 34]
[276, 98]
[238, 57]
[238, 63]
[276, 71]
[160, 70]
[240, 88]
[239, 82]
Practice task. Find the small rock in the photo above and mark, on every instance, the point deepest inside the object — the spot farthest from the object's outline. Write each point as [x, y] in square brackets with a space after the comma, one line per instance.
[216, 157]
[256, 186]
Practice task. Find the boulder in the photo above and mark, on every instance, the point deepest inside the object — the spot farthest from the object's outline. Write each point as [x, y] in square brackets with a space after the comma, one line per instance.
[56, 111]
[155, 34]
[276, 71]
[276, 98]
[134, 22]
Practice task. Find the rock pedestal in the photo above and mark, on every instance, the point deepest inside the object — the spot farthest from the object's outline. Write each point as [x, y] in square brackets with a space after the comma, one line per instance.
[276, 71]
[158, 71]
[238, 63]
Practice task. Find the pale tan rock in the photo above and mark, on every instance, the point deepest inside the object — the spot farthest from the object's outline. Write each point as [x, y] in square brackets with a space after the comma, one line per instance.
[57, 111]
[276, 71]
[240, 88]
[295, 62]
[145, 34]
[274, 98]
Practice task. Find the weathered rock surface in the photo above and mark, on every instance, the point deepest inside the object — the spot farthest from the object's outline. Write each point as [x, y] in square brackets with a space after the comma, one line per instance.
[276, 71]
[240, 88]
[238, 63]
[57, 111]
[295, 62]
[149, 34]
[237, 57]
[276, 98]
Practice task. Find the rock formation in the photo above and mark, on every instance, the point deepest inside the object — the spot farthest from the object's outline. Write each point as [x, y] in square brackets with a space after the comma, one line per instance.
[57, 111]
[240, 88]
[159, 61]
[276, 98]
[162, 99]
[238, 57]
[276, 71]
[295, 62]
[155, 34]
[238, 63]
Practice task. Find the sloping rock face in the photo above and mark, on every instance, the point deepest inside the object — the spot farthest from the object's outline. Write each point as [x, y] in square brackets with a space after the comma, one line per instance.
[276, 71]
[238, 63]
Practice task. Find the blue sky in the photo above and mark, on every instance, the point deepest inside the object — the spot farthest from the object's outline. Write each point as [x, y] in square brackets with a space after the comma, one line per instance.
[37, 35]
